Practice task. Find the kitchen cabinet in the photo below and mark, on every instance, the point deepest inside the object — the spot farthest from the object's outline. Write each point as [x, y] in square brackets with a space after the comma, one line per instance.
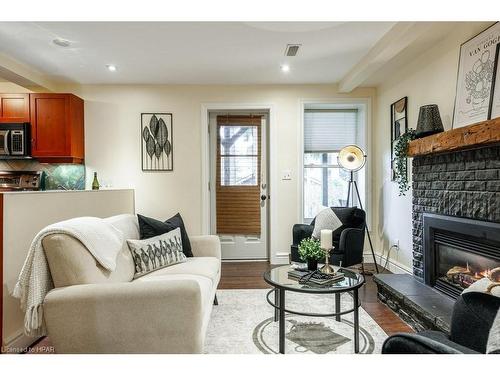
[14, 108]
[57, 131]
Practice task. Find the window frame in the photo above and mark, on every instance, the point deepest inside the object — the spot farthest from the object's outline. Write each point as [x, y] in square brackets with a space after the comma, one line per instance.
[364, 107]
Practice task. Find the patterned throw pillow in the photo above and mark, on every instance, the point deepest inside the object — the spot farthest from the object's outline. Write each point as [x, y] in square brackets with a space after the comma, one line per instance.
[325, 219]
[156, 252]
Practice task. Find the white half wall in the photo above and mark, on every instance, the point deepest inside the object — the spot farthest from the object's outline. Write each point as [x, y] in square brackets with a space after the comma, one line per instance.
[24, 215]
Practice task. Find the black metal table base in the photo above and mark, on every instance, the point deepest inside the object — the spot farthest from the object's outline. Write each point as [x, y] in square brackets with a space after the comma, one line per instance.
[280, 310]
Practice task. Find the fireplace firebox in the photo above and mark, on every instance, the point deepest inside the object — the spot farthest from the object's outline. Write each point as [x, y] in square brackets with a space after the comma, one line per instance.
[459, 251]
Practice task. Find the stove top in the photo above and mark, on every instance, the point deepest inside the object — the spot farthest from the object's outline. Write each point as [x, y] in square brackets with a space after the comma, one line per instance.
[20, 180]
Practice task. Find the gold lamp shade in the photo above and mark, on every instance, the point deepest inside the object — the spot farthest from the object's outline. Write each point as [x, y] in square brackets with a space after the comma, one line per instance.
[351, 158]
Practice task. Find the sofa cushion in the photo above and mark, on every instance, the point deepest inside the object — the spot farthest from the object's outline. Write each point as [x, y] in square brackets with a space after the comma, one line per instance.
[127, 224]
[202, 266]
[149, 227]
[205, 284]
[70, 263]
[156, 252]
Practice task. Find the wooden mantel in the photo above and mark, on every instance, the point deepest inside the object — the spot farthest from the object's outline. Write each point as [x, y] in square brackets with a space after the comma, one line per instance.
[476, 135]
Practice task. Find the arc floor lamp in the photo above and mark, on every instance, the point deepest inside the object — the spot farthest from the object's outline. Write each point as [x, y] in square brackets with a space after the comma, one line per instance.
[352, 159]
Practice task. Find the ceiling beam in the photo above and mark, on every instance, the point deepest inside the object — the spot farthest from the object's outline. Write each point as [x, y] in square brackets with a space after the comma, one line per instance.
[399, 37]
[23, 75]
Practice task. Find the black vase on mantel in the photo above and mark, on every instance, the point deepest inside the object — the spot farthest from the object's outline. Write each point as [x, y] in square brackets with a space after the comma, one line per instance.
[429, 121]
[312, 264]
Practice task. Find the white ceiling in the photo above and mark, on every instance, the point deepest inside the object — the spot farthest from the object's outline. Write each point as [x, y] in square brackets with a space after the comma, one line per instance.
[191, 52]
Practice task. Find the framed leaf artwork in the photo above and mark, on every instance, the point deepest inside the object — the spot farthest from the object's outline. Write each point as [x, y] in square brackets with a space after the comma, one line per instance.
[156, 142]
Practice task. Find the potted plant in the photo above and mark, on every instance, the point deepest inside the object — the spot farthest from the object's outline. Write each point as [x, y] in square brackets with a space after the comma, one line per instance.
[311, 252]
[400, 160]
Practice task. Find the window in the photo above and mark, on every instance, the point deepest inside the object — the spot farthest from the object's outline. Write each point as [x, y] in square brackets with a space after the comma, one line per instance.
[238, 155]
[325, 183]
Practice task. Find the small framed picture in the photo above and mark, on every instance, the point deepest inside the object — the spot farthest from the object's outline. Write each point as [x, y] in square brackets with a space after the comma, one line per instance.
[494, 111]
[475, 77]
[399, 125]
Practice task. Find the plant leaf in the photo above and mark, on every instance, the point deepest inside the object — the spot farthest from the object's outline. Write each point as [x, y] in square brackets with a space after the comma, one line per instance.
[162, 137]
[153, 124]
[146, 134]
[168, 148]
[158, 150]
[150, 146]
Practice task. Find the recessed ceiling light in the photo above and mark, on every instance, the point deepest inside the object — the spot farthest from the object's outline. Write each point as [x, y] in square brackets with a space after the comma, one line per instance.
[285, 68]
[111, 67]
[61, 42]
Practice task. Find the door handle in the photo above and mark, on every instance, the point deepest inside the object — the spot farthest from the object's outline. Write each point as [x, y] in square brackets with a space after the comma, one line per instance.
[263, 197]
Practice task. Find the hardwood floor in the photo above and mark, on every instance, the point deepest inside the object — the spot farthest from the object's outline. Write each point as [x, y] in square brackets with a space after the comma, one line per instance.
[248, 275]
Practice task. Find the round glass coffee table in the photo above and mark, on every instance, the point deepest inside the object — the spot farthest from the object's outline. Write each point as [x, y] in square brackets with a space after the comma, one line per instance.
[279, 279]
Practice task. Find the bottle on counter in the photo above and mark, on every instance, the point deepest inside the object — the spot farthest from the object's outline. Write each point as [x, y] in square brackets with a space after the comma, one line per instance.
[95, 183]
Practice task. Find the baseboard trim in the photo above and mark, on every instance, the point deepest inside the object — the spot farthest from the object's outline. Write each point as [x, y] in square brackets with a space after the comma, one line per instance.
[244, 260]
[280, 258]
[392, 265]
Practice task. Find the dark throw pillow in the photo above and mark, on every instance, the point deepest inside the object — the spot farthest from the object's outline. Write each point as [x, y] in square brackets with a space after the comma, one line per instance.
[149, 227]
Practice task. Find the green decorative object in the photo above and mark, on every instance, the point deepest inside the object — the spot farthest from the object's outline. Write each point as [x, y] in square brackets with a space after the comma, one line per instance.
[62, 176]
[309, 248]
[401, 160]
[95, 183]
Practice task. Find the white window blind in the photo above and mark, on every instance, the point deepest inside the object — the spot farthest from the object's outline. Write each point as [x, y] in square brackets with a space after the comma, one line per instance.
[329, 130]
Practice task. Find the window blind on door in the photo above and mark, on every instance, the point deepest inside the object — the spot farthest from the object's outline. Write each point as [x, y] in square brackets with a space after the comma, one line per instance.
[329, 130]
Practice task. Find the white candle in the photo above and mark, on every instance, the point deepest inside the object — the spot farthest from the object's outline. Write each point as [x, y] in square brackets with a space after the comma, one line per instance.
[326, 239]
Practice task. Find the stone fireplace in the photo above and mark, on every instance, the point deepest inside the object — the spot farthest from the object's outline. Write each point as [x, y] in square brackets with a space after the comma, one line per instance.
[460, 184]
[455, 226]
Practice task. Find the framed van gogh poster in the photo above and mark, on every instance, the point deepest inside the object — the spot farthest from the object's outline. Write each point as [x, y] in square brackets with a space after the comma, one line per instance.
[156, 142]
[495, 89]
[475, 77]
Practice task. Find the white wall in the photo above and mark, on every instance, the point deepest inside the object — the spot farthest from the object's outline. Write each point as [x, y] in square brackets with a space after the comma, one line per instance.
[112, 137]
[429, 79]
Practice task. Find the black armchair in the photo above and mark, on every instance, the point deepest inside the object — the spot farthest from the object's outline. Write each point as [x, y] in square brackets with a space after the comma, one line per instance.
[472, 318]
[348, 240]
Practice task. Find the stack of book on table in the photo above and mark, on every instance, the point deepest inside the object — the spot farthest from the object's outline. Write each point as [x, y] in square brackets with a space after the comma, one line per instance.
[317, 278]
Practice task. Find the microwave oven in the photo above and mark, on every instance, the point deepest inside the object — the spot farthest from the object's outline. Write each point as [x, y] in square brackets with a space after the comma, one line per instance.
[15, 140]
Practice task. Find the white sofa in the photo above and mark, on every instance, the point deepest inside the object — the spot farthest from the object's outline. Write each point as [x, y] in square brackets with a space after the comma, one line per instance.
[92, 310]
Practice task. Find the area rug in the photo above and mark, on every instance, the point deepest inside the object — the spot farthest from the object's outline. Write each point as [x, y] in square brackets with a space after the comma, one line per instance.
[243, 323]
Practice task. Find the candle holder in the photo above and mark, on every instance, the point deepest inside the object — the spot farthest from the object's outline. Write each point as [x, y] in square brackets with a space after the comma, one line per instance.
[327, 269]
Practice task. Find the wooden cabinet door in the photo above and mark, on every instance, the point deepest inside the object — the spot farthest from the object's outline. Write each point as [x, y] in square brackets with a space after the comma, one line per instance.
[50, 125]
[14, 108]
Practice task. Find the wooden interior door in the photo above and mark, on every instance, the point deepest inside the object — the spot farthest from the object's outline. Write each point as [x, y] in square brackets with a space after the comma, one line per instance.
[240, 186]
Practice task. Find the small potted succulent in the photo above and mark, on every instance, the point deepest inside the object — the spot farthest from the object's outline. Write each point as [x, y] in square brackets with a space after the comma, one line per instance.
[311, 252]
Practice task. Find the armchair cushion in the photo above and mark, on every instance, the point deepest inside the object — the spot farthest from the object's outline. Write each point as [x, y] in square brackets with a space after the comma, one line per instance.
[351, 217]
[428, 342]
[472, 319]
[325, 219]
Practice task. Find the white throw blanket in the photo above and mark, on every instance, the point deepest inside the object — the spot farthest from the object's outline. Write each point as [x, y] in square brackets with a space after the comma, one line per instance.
[101, 239]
